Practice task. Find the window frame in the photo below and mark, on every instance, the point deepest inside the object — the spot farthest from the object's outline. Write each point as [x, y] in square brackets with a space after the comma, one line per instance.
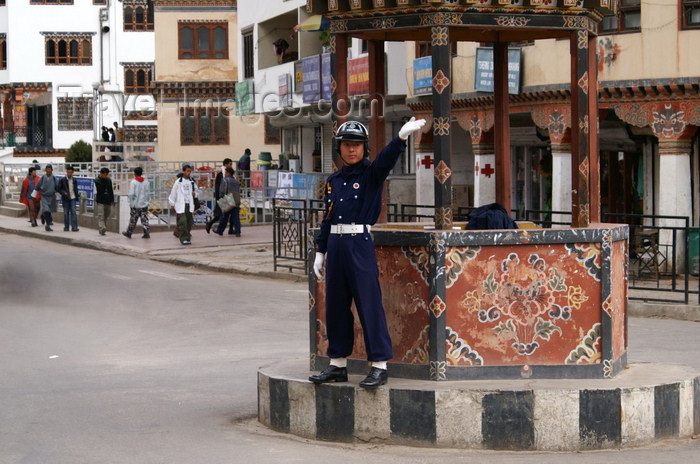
[248, 54]
[194, 26]
[3, 51]
[55, 43]
[135, 88]
[684, 8]
[51, 2]
[130, 23]
[79, 114]
[621, 13]
[212, 113]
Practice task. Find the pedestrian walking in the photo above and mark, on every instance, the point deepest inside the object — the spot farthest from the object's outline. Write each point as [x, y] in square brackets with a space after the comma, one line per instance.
[68, 189]
[28, 197]
[232, 216]
[47, 188]
[138, 203]
[118, 137]
[353, 201]
[227, 163]
[182, 198]
[104, 199]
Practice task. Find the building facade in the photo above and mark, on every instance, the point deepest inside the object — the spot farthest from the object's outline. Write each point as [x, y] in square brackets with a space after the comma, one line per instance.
[286, 69]
[69, 67]
[649, 111]
[195, 83]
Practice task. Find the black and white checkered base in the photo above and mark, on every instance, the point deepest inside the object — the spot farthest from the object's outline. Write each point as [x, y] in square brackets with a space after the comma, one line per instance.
[646, 402]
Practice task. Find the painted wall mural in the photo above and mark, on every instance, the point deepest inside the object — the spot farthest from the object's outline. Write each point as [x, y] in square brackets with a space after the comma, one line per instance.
[529, 304]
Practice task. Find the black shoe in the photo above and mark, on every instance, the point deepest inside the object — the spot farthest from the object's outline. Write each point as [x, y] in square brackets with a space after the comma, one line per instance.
[146, 235]
[66, 229]
[219, 233]
[34, 224]
[208, 227]
[186, 242]
[48, 228]
[375, 378]
[76, 230]
[230, 232]
[103, 232]
[330, 374]
[126, 234]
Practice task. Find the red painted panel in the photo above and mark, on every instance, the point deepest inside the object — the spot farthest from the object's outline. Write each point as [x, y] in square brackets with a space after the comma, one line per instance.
[619, 297]
[529, 304]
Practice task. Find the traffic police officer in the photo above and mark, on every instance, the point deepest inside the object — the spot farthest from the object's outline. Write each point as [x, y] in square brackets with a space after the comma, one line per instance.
[353, 201]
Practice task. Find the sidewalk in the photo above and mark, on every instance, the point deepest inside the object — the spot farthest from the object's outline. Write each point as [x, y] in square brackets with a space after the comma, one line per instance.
[249, 254]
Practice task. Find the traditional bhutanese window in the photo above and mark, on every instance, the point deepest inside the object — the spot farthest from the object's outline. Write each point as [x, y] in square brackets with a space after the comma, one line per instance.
[3, 51]
[68, 48]
[138, 15]
[137, 78]
[248, 54]
[74, 114]
[202, 40]
[690, 10]
[204, 126]
[628, 18]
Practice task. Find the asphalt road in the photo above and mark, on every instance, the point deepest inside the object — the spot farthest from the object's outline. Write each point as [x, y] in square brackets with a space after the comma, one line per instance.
[112, 359]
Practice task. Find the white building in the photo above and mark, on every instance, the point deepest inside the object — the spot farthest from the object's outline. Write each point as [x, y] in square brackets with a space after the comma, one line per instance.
[305, 126]
[70, 66]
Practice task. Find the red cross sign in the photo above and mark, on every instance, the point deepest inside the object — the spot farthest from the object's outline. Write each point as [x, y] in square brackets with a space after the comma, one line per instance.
[427, 161]
[487, 171]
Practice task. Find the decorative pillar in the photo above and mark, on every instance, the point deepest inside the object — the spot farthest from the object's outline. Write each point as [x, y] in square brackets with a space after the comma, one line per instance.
[479, 125]
[377, 122]
[425, 164]
[675, 196]
[581, 128]
[556, 119]
[484, 172]
[440, 47]
[339, 85]
[593, 147]
[561, 177]
[502, 123]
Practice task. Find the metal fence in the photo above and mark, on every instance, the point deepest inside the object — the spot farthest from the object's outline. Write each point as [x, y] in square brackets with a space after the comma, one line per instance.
[292, 242]
[256, 202]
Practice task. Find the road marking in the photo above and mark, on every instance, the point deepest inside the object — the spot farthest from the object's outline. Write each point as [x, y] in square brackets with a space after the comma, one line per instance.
[163, 275]
[117, 276]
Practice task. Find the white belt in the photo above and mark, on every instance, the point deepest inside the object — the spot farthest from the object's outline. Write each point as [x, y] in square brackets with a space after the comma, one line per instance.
[349, 228]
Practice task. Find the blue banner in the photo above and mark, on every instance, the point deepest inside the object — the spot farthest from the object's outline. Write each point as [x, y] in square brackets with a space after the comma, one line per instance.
[423, 76]
[85, 184]
[311, 68]
[326, 76]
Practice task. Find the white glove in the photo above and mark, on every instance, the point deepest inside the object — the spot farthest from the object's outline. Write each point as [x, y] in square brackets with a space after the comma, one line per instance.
[318, 265]
[411, 127]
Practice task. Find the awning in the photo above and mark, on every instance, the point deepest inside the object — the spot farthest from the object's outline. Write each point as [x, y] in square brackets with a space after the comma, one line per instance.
[313, 23]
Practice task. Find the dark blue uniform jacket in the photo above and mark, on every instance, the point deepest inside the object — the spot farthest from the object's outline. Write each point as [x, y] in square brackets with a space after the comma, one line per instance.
[354, 193]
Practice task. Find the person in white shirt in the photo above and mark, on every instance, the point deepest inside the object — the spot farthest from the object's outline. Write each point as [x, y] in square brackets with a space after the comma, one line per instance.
[182, 199]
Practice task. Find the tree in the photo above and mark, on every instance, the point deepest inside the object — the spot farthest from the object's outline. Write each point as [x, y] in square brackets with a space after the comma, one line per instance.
[79, 152]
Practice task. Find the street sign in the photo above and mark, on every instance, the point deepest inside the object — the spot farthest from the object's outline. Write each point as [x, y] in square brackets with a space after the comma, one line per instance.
[311, 66]
[423, 76]
[483, 77]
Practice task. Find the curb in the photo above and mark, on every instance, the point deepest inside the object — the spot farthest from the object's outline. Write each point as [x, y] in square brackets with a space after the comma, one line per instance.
[646, 404]
[681, 312]
[176, 260]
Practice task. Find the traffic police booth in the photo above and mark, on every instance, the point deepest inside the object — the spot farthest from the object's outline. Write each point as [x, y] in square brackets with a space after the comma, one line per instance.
[502, 339]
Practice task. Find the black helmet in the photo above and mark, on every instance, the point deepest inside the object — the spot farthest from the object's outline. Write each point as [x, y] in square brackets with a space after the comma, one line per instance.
[353, 131]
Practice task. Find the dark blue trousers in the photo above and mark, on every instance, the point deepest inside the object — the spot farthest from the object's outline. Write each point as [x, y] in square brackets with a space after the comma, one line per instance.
[352, 274]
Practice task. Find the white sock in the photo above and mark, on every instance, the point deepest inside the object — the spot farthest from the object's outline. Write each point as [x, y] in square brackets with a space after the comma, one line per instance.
[379, 364]
[339, 362]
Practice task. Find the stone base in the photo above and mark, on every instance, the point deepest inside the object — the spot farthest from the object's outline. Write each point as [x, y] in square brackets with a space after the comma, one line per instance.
[645, 403]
